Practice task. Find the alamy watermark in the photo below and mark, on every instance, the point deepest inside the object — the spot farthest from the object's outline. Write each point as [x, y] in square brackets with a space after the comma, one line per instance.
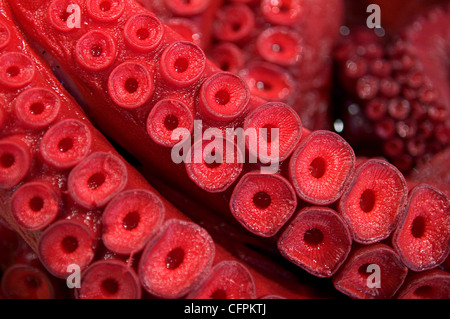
[74, 279]
[74, 18]
[374, 279]
[263, 143]
[373, 21]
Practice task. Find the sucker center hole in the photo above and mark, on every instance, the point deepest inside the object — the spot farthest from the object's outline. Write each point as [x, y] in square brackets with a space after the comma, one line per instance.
[171, 122]
[131, 220]
[313, 236]
[181, 65]
[218, 294]
[317, 167]
[37, 108]
[262, 200]
[96, 180]
[174, 258]
[7, 160]
[36, 204]
[33, 282]
[367, 201]
[131, 85]
[96, 50]
[418, 227]
[222, 97]
[65, 145]
[142, 34]
[69, 244]
[212, 161]
[12, 71]
[105, 6]
[110, 286]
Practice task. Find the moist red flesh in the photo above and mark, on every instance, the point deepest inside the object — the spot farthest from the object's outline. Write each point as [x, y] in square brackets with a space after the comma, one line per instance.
[196, 16]
[109, 279]
[66, 143]
[371, 272]
[321, 167]
[433, 172]
[131, 76]
[215, 165]
[177, 260]
[263, 203]
[15, 161]
[278, 130]
[23, 275]
[423, 235]
[228, 280]
[287, 47]
[227, 56]
[95, 181]
[26, 282]
[373, 202]
[35, 205]
[166, 117]
[130, 219]
[223, 96]
[89, 176]
[65, 243]
[317, 240]
[130, 84]
[429, 284]
[400, 88]
[251, 252]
